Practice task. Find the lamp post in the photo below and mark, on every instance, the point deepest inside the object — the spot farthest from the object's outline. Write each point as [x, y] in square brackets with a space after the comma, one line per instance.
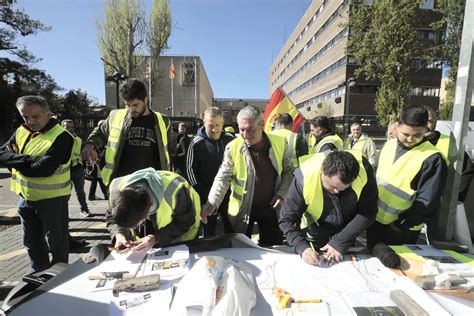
[349, 83]
[116, 77]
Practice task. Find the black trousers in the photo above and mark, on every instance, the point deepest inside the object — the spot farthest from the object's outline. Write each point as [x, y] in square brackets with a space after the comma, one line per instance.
[268, 229]
[379, 232]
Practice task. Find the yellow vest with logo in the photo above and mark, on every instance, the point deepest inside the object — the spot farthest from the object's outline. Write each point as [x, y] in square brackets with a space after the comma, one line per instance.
[332, 139]
[291, 139]
[394, 179]
[76, 158]
[239, 173]
[40, 188]
[313, 188]
[115, 128]
[172, 183]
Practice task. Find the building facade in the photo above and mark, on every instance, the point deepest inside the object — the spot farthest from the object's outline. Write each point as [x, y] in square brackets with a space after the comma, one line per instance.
[187, 95]
[231, 107]
[314, 69]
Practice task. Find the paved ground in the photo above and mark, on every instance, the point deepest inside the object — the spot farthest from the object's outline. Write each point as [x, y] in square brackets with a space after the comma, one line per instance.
[14, 261]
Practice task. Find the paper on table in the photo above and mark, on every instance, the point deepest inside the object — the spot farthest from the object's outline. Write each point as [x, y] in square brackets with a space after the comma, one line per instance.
[129, 262]
[170, 263]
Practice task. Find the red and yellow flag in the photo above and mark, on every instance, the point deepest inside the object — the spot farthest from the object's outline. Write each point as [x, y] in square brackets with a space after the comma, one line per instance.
[172, 73]
[279, 103]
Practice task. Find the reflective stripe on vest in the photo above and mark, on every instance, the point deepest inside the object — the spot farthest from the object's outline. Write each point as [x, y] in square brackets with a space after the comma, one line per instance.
[40, 188]
[291, 139]
[331, 139]
[76, 158]
[394, 179]
[115, 121]
[238, 182]
[172, 183]
[313, 188]
[443, 146]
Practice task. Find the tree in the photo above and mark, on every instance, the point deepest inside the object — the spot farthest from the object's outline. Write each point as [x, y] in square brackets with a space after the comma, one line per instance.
[451, 23]
[383, 40]
[125, 36]
[14, 23]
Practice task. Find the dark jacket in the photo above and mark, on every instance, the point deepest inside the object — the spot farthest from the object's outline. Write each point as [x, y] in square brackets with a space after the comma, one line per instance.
[203, 161]
[44, 166]
[100, 135]
[429, 185]
[357, 215]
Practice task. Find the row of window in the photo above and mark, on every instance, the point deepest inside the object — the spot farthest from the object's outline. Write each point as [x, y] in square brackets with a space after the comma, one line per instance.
[363, 89]
[338, 64]
[425, 91]
[311, 21]
[329, 95]
[336, 39]
[315, 36]
[435, 64]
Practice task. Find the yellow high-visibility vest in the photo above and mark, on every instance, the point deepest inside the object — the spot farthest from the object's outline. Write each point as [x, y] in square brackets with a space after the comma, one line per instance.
[313, 188]
[443, 146]
[172, 183]
[40, 188]
[310, 141]
[291, 139]
[116, 119]
[239, 173]
[394, 179]
[331, 139]
[76, 158]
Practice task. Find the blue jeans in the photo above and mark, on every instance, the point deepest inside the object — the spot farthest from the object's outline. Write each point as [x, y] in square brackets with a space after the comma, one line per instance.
[77, 179]
[45, 229]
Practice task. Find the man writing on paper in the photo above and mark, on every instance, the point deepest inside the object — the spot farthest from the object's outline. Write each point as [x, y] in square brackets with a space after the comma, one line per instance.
[334, 198]
[151, 207]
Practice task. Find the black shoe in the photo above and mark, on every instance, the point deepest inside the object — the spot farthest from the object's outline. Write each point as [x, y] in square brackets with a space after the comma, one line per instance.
[92, 198]
[77, 243]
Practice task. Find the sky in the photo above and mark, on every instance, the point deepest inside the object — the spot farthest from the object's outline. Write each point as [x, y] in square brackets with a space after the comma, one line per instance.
[237, 41]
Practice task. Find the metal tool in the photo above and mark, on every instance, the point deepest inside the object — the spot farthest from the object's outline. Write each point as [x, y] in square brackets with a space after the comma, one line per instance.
[139, 284]
[285, 300]
[111, 275]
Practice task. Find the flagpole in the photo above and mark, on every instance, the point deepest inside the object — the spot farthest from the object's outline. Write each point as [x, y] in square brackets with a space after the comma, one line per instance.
[149, 85]
[172, 90]
[195, 88]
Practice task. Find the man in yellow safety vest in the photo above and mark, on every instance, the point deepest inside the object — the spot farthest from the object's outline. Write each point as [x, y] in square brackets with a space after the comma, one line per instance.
[39, 153]
[411, 175]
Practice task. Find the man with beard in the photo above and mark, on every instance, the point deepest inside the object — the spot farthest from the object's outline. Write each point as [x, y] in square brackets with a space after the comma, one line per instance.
[135, 138]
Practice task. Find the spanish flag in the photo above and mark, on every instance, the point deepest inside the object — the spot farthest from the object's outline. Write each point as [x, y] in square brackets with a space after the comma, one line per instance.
[172, 73]
[280, 103]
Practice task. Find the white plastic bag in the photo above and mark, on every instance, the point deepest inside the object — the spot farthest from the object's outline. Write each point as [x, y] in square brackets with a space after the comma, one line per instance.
[216, 286]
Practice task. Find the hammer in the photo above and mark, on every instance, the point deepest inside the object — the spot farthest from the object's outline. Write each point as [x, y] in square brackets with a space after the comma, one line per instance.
[285, 300]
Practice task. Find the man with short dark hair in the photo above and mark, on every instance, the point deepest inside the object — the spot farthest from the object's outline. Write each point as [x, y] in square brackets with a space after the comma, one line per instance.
[410, 178]
[182, 145]
[39, 153]
[326, 139]
[205, 155]
[296, 143]
[134, 138]
[151, 207]
[334, 196]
